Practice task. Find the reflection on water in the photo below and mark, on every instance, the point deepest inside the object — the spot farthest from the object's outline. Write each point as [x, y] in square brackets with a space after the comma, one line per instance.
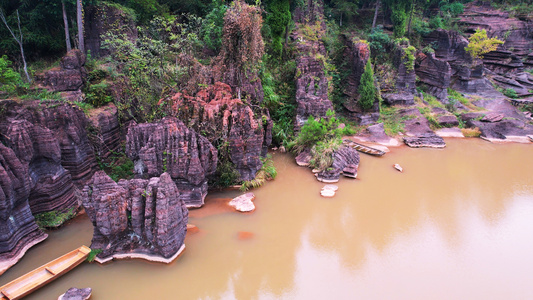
[456, 224]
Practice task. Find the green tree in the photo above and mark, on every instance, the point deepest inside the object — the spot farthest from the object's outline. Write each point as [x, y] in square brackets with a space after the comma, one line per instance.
[278, 18]
[211, 31]
[367, 89]
[479, 44]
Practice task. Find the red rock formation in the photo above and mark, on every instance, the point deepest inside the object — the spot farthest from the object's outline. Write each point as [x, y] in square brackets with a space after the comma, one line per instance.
[50, 141]
[311, 81]
[142, 218]
[70, 76]
[105, 130]
[18, 231]
[169, 146]
[214, 113]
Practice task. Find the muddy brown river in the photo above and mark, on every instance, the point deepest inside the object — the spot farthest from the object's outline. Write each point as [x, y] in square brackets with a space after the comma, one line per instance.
[456, 224]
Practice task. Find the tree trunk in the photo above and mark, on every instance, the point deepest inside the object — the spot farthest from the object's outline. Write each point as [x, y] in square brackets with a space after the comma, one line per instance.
[375, 15]
[65, 21]
[19, 40]
[410, 18]
[79, 14]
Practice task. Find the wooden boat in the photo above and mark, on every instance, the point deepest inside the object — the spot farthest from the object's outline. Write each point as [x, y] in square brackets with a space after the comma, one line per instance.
[363, 148]
[43, 275]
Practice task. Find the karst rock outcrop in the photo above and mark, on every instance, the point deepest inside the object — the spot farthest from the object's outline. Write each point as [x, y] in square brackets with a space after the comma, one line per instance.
[235, 127]
[138, 218]
[69, 76]
[104, 130]
[311, 80]
[345, 161]
[169, 146]
[18, 231]
[50, 140]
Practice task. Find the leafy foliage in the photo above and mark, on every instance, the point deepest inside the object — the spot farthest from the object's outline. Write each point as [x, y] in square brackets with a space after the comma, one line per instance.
[211, 31]
[53, 218]
[367, 88]
[480, 44]
[93, 254]
[9, 79]
[267, 172]
[277, 19]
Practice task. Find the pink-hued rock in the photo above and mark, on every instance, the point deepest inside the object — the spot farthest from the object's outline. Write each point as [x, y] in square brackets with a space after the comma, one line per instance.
[136, 218]
[243, 203]
[169, 146]
[50, 139]
[18, 231]
[214, 113]
[106, 129]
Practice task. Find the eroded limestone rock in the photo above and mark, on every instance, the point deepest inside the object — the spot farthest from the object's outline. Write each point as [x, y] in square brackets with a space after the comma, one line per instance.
[138, 218]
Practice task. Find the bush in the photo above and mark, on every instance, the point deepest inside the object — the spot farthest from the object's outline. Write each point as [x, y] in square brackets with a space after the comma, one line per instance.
[98, 94]
[471, 132]
[9, 79]
[379, 41]
[509, 92]
[211, 31]
[479, 44]
[367, 89]
[267, 172]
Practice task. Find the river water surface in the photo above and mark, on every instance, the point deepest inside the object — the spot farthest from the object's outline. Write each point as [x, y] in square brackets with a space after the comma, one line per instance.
[456, 224]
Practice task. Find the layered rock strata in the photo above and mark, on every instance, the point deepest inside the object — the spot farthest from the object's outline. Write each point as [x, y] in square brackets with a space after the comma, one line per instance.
[345, 161]
[69, 76]
[104, 130]
[311, 81]
[138, 218]
[227, 122]
[169, 146]
[50, 140]
[434, 73]
[418, 132]
[18, 231]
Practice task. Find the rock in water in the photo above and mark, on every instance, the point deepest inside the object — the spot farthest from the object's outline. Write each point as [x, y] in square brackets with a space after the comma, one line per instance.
[243, 203]
[18, 231]
[327, 193]
[344, 159]
[169, 146]
[76, 294]
[138, 218]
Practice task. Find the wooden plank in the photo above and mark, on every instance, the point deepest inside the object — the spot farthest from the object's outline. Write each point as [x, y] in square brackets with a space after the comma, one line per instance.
[43, 275]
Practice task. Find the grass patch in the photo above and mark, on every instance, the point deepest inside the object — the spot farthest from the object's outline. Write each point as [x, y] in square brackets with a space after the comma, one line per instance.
[426, 112]
[266, 173]
[392, 122]
[471, 132]
[454, 95]
[52, 219]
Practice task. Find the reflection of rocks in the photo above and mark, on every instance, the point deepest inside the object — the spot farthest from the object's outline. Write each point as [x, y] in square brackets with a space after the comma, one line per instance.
[169, 146]
[139, 218]
[18, 231]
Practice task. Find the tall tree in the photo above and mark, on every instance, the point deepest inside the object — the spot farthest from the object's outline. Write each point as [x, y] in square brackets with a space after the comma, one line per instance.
[18, 39]
[79, 14]
[65, 21]
[375, 15]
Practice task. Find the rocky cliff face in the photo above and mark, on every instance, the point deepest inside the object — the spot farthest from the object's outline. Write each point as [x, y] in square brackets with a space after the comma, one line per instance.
[169, 146]
[104, 130]
[18, 231]
[434, 73]
[101, 19]
[356, 54]
[70, 76]
[311, 81]
[50, 141]
[228, 123]
[136, 218]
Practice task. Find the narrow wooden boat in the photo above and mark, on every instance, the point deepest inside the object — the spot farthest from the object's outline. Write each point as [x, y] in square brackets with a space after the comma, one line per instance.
[363, 148]
[43, 275]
